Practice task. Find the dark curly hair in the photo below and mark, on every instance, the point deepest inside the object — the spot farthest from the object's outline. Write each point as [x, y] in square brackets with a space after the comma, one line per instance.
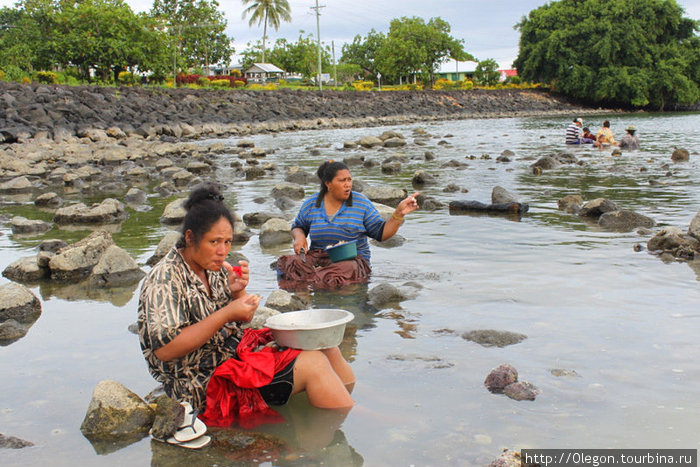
[205, 206]
[326, 173]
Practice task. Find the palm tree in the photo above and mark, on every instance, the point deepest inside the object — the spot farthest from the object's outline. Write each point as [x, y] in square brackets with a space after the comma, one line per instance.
[267, 12]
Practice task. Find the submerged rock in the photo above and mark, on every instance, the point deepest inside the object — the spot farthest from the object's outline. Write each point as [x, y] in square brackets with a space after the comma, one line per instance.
[521, 391]
[494, 338]
[500, 377]
[12, 442]
[624, 220]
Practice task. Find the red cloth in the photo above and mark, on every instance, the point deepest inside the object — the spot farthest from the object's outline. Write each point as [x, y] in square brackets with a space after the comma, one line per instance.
[320, 272]
[232, 393]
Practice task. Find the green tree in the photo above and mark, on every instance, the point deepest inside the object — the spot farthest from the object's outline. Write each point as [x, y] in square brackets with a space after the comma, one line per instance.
[293, 57]
[363, 52]
[27, 34]
[629, 52]
[196, 29]
[486, 73]
[270, 12]
[416, 47]
[101, 35]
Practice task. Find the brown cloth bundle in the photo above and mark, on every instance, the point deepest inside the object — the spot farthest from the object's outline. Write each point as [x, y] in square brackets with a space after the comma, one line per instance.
[320, 272]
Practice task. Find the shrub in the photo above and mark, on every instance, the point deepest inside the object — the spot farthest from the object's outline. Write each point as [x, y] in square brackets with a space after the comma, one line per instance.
[235, 73]
[125, 77]
[187, 79]
[229, 78]
[2, 75]
[255, 87]
[270, 87]
[363, 85]
[26, 80]
[239, 84]
[203, 81]
[46, 77]
[220, 83]
[466, 84]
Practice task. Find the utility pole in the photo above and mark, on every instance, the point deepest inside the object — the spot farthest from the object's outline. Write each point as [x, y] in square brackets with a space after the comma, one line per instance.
[335, 71]
[318, 36]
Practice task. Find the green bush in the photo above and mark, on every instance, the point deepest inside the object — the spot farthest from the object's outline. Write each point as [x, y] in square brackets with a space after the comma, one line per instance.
[46, 77]
[125, 77]
[221, 83]
[238, 84]
[2, 75]
[14, 73]
[203, 82]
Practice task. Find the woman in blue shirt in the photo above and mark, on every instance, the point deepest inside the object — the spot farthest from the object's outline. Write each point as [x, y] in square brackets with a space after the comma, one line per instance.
[338, 214]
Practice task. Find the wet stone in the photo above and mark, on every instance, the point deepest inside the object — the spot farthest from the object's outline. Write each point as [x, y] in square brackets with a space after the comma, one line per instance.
[493, 338]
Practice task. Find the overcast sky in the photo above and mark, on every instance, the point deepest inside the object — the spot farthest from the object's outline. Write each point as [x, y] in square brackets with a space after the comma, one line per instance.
[485, 26]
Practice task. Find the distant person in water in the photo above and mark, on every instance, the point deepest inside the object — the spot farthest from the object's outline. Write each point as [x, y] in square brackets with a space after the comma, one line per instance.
[630, 140]
[605, 136]
[573, 131]
[588, 137]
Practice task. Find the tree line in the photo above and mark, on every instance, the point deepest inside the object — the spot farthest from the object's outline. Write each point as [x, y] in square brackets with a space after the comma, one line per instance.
[636, 53]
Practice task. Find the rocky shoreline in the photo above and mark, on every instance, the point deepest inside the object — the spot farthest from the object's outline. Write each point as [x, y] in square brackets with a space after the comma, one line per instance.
[61, 113]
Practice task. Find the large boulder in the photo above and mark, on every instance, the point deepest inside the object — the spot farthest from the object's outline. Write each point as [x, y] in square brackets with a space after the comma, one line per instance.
[295, 174]
[48, 200]
[115, 268]
[19, 309]
[164, 246]
[25, 269]
[546, 163]
[275, 231]
[108, 211]
[680, 155]
[370, 141]
[694, 228]
[673, 240]
[16, 186]
[501, 195]
[385, 194]
[174, 212]
[624, 220]
[281, 300]
[116, 413]
[597, 207]
[75, 262]
[290, 190]
[22, 225]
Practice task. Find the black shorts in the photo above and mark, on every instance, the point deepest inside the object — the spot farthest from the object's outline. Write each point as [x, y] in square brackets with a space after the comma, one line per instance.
[279, 390]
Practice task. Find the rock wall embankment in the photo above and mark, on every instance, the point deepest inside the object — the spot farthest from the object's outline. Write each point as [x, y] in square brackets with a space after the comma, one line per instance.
[59, 112]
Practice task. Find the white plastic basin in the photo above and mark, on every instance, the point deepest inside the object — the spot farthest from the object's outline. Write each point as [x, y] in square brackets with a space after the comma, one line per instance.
[309, 329]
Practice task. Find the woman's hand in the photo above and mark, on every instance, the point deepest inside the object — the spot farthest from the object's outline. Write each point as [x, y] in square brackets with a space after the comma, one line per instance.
[299, 241]
[238, 277]
[407, 205]
[243, 308]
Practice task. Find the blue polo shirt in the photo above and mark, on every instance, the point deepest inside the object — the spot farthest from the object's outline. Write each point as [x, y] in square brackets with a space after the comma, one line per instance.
[356, 222]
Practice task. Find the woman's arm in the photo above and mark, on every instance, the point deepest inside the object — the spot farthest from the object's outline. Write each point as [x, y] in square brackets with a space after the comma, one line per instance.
[394, 222]
[299, 237]
[196, 335]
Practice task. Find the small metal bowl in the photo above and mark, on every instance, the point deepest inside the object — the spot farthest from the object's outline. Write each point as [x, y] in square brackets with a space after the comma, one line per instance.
[309, 329]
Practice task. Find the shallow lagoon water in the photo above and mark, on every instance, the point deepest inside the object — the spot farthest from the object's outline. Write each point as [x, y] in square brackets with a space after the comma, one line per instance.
[624, 321]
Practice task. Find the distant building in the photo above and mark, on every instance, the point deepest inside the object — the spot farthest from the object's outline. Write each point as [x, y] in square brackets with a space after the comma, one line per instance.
[262, 72]
[505, 74]
[456, 71]
[220, 69]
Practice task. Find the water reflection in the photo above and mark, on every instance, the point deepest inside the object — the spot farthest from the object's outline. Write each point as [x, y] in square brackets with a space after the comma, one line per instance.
[117, 296]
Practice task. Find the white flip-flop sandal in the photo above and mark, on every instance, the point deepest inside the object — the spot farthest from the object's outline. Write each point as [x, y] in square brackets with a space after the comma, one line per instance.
[197, 443]
[191, 428]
